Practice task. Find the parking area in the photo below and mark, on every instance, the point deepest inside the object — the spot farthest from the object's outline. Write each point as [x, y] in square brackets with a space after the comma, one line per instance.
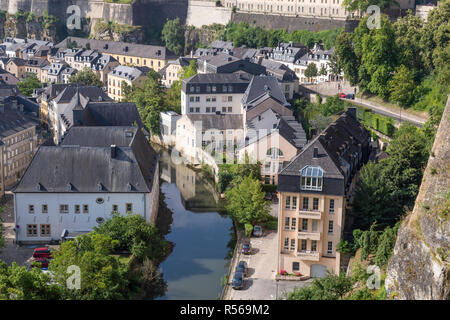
[260, 283]
[12, 252]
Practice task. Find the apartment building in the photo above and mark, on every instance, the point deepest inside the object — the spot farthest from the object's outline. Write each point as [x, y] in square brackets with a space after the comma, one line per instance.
[18, 141]
[138, 55]
[313, 191]
[100, 170]
[25, 48]
[171, 71]
[16, 66]
[286, 77]
[7, 78]
[213, 93]
[35, 66]
[132, 76]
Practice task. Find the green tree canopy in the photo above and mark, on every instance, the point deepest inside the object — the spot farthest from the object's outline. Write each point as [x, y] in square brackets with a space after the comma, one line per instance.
[173, 36]
[27, 86]
[86, 77]
[246, 203]
[311, 70]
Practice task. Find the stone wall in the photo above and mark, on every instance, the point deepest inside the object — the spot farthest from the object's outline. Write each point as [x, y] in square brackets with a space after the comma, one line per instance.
[202, 13]
[290, 23]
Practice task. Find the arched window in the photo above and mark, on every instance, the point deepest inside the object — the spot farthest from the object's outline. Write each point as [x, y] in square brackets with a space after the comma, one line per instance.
[311, 178]
[274, 153]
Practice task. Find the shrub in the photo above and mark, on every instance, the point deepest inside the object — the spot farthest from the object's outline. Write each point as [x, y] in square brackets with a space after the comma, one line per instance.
[272, 225]
[248, 229]
[269, 188]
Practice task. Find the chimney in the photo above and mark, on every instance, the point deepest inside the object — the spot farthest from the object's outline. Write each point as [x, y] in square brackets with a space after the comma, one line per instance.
[113, 151]
[352, 111]
[316, 153]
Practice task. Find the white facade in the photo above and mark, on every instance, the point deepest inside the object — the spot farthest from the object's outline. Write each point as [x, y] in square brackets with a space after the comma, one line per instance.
[83, 221]
[198, 103]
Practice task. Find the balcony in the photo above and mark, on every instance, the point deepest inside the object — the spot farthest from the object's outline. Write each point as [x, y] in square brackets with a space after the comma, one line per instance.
[308, 255]
[309, 235]
[307, 214]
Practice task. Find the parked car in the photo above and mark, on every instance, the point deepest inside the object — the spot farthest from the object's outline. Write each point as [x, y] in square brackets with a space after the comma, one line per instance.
[342, 95]
[257, 231]
[238, 281]
[350, 96]
[43, 261]
[43, 252]
[242, 268]
[246, 248]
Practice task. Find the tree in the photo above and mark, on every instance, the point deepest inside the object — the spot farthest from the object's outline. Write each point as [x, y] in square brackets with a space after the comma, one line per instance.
[386, 245]
[173, 36]
[346, 57]
[335, 68]
[246, 203]
[362, 5]
[331, 287]
[17, 283]
[150, 100]
[402, 85]
[323, 71]
[27, 86]
[86, 77]
[135, 235]
[104, 276]
[311, 71]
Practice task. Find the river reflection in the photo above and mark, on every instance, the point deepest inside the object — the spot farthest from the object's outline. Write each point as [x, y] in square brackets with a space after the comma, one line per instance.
[200, 232]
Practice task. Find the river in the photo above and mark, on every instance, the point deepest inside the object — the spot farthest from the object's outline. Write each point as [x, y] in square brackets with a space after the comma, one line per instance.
[200, 231]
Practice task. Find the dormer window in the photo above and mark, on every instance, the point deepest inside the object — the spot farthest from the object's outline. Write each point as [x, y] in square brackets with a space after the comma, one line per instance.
[311, 178]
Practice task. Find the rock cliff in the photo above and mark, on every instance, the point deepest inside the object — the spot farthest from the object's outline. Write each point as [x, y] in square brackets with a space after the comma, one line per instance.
[419, 267]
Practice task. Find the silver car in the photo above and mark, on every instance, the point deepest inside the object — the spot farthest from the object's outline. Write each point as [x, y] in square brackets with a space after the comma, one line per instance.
[257, 231]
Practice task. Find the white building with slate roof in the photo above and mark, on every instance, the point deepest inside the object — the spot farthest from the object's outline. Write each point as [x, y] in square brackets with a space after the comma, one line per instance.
[70, 189]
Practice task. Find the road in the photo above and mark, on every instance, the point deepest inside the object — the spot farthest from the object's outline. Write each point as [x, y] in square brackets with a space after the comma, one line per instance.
[385, 111]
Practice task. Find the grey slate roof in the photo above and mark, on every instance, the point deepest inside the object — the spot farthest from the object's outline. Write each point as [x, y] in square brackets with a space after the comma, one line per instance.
[263, 86]
[13, 121]
[117, 47]
[342, 148]
[111, 114]
[100, 136]
[292, 131]
[92, 92]
[90, 167]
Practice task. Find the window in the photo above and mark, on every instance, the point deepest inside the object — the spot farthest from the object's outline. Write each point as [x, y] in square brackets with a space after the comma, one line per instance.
[224, 109]
[295, 266]
[315, 204]
[115, 208]
[294, 203]
[331, 205]
[77, 208]
[303, 245]
[208, 109]
[288, 202]
[44, 208]
[99, 200]
[313, 245]
[305, 203]
[191, 99]
[32, 230]
[286, 244]
[197, 99]
[274, 153]
[63, 208]
[293, 223]
[100, 220]
[311, 178]
[292, 244]
[230, 98]
[129, 207]
[286, 223]
[330, 227]
[304, 224]
[31, 208]
[314, 226]
[230, 109]
[85, 208]
[330, 247]
[45, 230]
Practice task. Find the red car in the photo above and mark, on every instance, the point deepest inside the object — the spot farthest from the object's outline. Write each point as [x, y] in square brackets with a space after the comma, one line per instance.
[43, 261]
[43, 252]
[342, 95]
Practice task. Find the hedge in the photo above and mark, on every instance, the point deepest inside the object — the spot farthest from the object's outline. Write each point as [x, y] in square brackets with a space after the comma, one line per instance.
[375, 121]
